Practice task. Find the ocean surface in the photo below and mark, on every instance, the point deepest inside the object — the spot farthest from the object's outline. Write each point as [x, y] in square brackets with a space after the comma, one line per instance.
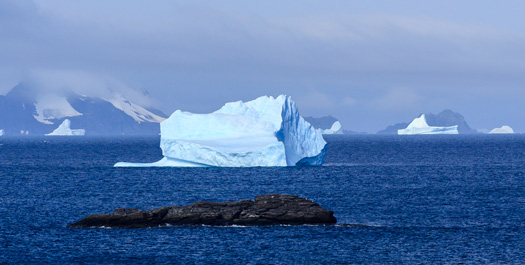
[423, 199]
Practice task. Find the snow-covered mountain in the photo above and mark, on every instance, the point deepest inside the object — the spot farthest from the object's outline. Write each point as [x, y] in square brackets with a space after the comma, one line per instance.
[33, 112]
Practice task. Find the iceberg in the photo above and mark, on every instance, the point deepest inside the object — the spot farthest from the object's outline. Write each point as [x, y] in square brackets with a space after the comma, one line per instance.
[503, 130]
[420, 126]
[64, 129]
[264, 132]
[327, 124]
[1, 132]
[335, 129]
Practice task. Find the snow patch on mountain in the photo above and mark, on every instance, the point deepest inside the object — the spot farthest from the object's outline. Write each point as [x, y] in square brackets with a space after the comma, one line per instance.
[138, 113]
[53, 107]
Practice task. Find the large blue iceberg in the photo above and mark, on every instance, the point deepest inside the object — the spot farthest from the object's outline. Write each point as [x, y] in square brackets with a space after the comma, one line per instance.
[264, 132]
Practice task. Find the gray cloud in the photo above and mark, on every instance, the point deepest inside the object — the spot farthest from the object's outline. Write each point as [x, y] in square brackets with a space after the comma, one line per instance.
[368, 67]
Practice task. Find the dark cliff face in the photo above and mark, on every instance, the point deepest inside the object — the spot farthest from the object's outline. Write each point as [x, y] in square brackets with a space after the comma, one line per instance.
[16, 112]
[449, 118]
[324, 123]
[273, 209]
[99, 117]
[442, 119]
[392, 129]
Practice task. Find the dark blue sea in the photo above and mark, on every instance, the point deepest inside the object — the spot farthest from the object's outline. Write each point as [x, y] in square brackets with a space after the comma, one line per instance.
[429, 199]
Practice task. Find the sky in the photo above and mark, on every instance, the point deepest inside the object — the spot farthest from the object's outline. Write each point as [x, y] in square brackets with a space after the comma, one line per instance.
[368, 63]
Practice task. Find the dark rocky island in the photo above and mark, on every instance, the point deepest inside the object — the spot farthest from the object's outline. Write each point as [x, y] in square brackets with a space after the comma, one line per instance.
[273, 209]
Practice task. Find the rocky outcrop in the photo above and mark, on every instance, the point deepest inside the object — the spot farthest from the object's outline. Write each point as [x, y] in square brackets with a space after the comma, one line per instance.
[393, 129]
[449, 118]
[273, 209]
[323, 123]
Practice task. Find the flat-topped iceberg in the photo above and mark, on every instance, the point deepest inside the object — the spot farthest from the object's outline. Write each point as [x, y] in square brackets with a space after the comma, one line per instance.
[263, 132]
[1, 132]
[420, 126]
[64, 129]
[503, 130]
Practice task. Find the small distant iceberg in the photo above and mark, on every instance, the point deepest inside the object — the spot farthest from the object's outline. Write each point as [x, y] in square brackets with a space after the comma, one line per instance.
[445, 118]
[327, 124]
[1, 132]
[420, 126]
[265, 132]
[335, 129]
[502, 130]
[64, 129]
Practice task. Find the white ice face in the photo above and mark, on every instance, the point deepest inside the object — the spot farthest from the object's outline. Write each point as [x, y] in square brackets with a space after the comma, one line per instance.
[264, 132]
[420, 126]
[64, 129]
[335, 129]
[502, 130]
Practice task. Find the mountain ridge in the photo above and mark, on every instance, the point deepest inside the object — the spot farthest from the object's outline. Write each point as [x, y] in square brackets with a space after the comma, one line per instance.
[25, 110]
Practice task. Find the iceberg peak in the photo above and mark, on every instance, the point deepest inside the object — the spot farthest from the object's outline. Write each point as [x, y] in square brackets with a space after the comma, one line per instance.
[420, 122]
[420, 126]
[266, 131]
[64, 129]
